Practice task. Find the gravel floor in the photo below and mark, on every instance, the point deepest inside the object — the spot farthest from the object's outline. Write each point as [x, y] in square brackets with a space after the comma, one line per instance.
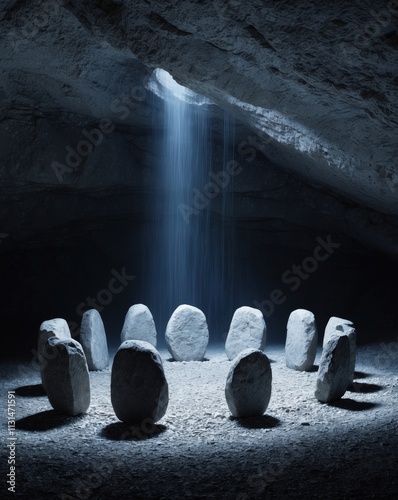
[299, 449]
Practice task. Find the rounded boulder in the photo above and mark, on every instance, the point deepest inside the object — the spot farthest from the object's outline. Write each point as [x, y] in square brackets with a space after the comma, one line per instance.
[139, 388]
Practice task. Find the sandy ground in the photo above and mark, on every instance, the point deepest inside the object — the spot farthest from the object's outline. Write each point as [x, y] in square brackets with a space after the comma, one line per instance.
[299, 449]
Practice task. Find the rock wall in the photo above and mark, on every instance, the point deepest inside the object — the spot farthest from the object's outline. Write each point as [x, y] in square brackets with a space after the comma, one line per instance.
[314, 95]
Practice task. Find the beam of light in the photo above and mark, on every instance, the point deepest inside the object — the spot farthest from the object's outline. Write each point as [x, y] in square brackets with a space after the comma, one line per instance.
[164, 86]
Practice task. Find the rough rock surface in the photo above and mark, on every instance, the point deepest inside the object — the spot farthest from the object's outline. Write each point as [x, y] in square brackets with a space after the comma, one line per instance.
[334, 370]
[352, 337]
[301, 340]
[247, 330]
[66, 377]
[321, 103]
[334, 324]
[249, 384]
[56, 327]
[339, 326]
[187, 334]
[265, 62]
[93, 340]
[139, 325]
[139, 389]
[312, 81]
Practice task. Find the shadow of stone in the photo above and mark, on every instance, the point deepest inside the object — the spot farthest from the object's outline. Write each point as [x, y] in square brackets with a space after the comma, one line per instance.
[364, 388]
[361, 375]
[313, 369]
[45, 421]
[260, 422]
[120, 431]
[350, 404]
[30, 391]
[172, 360]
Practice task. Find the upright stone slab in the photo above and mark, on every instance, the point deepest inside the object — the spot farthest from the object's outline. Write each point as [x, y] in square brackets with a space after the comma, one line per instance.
[334, 370]
[93, 340]
[56, 327]
[139, 389]
[352, 337]
[187, 334]
[247, 330]
[249, 384]
[339, 326]
[301, 340]
[139, 325]
[333, 323]
[66, 377]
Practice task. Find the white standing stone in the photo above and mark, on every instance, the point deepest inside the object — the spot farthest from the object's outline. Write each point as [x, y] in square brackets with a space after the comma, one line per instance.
[187, 334]
[334, 370]
[352, 337]
[247, 330]
[249, 384]
[93, 340]
[56, 327]
[332, 325]
[301, 340]
[66, 377]
[339, 326]
[139, 388]
[139, 325]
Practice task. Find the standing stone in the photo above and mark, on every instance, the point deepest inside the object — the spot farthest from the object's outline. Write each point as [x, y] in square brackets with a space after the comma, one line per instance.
[56, 327]
[334, 370]
[301, 340]
[339, 326]
[333, 323]
[66, 377]
[249, 383]
[139, 389]
[352, 337]
[93, 340]
[139, 325]
[247, 330]
[187, 334]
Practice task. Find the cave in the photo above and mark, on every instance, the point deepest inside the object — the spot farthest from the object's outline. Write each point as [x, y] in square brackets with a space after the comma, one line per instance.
[214, 153]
